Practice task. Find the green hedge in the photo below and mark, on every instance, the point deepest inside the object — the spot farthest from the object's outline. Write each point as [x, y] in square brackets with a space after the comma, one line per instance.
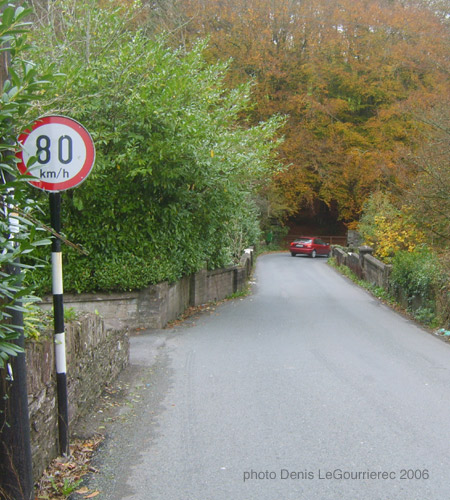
[177, 167]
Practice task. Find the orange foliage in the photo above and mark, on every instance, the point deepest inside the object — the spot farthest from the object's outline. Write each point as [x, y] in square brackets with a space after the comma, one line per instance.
[342, 72]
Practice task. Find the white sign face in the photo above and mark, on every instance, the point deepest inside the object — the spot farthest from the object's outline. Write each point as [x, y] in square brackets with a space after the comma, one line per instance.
[64, 153]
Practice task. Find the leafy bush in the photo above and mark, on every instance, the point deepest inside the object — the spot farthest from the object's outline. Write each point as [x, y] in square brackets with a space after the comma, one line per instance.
[417, 273]
[19, 236]
[426, 314]
[388, 229]
[36, 321]
[418, 277]
[176, 169]
[275, 235]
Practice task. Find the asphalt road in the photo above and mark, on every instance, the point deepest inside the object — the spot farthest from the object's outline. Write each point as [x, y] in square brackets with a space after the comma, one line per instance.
[309, 389]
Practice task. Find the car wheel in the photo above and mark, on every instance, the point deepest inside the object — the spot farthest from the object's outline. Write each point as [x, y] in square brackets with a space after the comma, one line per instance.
[313, 254]
[292, 254]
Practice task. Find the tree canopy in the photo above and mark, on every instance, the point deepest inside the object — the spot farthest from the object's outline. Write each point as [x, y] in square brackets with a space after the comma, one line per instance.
[345, 73]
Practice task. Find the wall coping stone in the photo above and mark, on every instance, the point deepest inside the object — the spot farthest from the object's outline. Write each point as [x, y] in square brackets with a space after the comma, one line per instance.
[375, 262]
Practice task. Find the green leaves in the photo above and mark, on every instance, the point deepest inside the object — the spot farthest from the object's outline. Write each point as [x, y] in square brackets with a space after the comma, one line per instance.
[12, 21]
[417, 274]
[158, 204]
[19, 234]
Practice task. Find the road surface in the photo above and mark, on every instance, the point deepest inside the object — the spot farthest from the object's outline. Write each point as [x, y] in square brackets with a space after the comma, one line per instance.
[308, 389]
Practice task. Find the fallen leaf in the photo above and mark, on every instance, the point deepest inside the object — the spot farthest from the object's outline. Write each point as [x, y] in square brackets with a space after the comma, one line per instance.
[92, 495]
[82, 491]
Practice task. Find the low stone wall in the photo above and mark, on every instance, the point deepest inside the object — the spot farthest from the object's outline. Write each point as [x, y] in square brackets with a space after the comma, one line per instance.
[364, 265]
[159, 304]
[340, 256]
[219, 284]
[95, 356]
[96, 352]
[354, 239]
[376, 272]
[354, 262]
[367, 267]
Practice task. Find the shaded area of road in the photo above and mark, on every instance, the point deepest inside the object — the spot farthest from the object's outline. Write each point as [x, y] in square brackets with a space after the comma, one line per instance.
[308, 389]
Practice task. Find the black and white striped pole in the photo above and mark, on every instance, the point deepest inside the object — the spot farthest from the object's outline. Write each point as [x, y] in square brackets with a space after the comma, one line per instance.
[59, 328]
[63, 154]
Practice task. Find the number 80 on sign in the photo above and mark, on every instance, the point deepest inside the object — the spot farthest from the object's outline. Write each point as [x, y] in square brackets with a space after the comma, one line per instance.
[63, 150]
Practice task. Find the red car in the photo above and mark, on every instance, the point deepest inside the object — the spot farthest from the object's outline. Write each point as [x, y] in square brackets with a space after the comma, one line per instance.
[311, 246]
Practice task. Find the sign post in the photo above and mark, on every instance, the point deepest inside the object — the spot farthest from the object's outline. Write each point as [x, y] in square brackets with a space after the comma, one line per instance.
[64, 155]
[59, 329]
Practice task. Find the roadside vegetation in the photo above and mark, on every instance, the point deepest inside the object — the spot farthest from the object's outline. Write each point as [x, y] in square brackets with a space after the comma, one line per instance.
[418, 284]
[365, 89]
[377, 291]
[215, 121]
[359, 82]
[20, 233]
[178, 167]
[416, 249]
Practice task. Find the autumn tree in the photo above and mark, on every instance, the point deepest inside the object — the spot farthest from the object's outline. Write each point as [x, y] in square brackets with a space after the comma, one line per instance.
[341, 72]
[429, 193]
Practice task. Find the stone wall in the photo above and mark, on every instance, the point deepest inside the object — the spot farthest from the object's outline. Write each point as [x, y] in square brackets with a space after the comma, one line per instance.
[354, 262]
[219, 284]
[376, 272]
[340, 256]
[159, 304]
[367, 267]
[95, 356]
[364, 265]
[354, 239]
[97, 344]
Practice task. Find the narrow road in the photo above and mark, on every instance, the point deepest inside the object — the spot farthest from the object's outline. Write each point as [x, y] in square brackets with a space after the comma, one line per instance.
[309, 389]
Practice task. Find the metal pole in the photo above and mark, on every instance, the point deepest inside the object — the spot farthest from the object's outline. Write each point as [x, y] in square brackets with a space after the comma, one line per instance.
[60, 336]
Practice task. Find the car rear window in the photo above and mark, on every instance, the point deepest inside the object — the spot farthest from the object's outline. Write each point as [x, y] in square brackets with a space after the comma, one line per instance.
[304, 240]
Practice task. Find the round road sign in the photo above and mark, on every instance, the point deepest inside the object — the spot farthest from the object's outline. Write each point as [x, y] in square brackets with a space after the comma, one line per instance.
[64, 153]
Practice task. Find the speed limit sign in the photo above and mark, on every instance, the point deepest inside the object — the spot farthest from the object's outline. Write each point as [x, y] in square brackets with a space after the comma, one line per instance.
[64, 153]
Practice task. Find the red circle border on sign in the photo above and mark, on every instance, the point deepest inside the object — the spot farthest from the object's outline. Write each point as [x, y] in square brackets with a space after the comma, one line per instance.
[85, 169]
